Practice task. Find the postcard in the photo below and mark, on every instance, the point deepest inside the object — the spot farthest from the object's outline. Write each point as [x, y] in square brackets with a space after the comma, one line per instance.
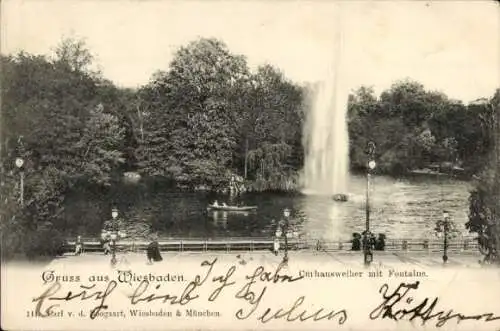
[250, 165]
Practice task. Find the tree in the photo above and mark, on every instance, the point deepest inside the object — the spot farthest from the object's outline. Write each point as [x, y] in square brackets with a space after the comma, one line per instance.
[361, 107]
[74, 54]
[192, 106]
[414, 128]
[204, 115]
[52, 106]
[273, 116]
[98, 147]
[484, 207]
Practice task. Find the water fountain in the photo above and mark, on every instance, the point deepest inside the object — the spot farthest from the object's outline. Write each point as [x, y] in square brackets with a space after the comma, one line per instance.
[326, 140]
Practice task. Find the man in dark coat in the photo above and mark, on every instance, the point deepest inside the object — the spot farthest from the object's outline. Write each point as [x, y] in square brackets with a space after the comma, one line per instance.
[356, 242]
[380, 244]
[153, 252]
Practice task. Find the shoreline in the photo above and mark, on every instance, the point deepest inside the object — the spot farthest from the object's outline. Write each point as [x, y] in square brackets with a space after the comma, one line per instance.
[252, 186]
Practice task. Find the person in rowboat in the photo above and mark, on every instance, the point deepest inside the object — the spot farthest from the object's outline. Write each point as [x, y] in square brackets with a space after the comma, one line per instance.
[216, 204]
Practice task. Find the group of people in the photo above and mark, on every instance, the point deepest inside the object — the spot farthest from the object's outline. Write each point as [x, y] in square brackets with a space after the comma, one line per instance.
[359, 241]
[152, 251]
[153, 254]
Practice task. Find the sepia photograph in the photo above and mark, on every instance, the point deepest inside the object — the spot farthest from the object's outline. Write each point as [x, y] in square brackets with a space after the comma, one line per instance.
[257, 165]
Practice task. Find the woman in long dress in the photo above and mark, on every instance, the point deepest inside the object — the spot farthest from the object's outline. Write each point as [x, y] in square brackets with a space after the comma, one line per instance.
[153, 251]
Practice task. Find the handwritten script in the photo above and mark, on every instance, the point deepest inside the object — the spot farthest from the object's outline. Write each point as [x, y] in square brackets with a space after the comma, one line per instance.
[247, 292]
[83, 295]
[250, 290]
[399, 304]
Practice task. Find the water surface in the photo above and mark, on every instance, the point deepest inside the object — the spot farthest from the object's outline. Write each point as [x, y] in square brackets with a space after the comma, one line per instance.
[400, 208]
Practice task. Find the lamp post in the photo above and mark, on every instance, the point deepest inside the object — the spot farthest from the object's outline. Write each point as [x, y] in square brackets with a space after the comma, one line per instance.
[286, 213]
[444, 226]
[19, 165]
[367, 249]
[282, 230]
[114, 236]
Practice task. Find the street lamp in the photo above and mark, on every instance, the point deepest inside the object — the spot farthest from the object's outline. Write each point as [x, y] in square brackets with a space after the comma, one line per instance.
[114, 235]
[19, 165]
[444, 226]
[367, 249]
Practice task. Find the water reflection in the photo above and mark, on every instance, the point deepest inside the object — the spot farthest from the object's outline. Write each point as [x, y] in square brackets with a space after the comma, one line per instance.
[399, 208]
[219, 218]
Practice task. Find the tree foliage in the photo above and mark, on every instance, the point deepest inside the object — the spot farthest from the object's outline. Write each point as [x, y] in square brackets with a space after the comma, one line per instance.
[414, 128]
[54, 119]
[208, 112]
[484, 207]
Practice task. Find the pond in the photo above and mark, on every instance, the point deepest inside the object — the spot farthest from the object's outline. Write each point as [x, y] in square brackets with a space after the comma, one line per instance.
[400, 208]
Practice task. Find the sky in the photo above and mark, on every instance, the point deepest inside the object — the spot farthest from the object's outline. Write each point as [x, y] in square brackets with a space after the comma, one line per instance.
[449, 46]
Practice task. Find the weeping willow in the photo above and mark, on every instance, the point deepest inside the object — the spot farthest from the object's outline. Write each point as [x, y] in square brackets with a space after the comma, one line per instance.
[269, 165]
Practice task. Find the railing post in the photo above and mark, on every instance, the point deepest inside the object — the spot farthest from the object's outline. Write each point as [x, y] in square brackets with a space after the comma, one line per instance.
[181, 246]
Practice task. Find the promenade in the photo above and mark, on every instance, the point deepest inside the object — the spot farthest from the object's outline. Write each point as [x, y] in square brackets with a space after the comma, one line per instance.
[408, 245]
[384, 259]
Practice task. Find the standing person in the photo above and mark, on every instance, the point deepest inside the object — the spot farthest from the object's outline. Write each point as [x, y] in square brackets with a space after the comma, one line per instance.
[276, 246]
[153, 251]
[373, 241]
[78, 245]
[276, 243]
[356, 242]
[380, 244]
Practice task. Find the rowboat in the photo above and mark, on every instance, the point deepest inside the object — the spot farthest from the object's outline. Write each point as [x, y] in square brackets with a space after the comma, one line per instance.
[232, 208]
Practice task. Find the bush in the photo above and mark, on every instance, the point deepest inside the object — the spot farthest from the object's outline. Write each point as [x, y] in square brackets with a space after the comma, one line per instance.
[45, 242]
